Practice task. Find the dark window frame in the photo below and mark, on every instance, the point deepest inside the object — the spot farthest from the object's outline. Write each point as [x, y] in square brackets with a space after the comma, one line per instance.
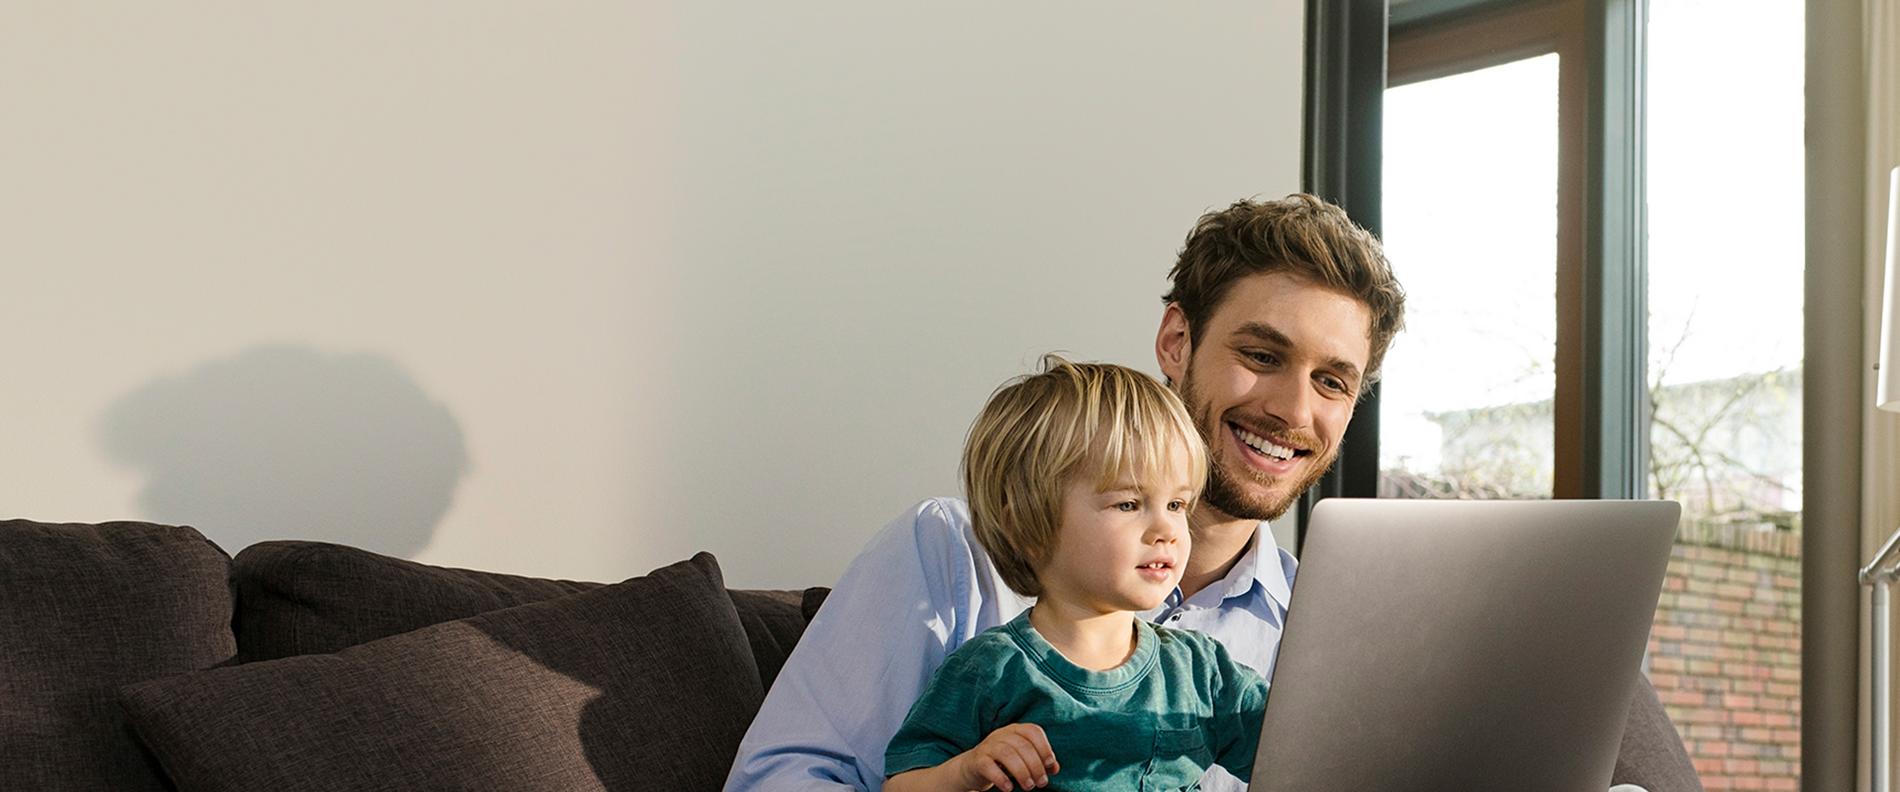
[1601, 407]
[1347, 51]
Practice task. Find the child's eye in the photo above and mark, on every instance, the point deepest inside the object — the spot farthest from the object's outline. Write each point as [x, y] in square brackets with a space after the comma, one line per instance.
[1128, 506]
[1177, 505]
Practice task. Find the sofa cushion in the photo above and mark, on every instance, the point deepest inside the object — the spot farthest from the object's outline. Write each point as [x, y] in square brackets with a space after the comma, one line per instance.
[646, 684]
[297, 598]
[85, 609]
[772, 625]
[811, 601]
[1652, 755]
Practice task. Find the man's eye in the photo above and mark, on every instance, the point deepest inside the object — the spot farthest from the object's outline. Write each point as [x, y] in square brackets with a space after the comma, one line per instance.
[1263, 358]
[1333, 384]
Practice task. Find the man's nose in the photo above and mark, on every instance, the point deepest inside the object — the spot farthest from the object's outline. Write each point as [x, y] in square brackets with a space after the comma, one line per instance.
[1291, 401]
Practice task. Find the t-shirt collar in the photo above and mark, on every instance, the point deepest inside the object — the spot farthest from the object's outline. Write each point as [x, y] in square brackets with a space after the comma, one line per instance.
[1079, 680]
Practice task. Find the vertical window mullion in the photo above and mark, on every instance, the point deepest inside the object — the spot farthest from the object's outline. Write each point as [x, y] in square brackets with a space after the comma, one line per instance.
[1345, 74]
[1614, 446]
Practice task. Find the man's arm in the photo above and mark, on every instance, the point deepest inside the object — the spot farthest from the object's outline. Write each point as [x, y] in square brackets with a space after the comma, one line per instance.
[900, 608]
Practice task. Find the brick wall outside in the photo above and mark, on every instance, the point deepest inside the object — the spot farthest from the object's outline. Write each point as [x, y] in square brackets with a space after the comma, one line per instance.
[1725, 653]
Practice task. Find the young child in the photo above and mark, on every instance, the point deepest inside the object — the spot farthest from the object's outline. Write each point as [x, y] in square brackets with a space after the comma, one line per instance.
[1080, 479]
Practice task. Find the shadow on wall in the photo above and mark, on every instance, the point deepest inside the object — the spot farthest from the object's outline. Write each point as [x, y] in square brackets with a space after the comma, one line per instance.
[285, 442]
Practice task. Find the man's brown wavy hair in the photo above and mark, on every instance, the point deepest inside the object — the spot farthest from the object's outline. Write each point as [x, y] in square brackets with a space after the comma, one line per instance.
[1301, 235]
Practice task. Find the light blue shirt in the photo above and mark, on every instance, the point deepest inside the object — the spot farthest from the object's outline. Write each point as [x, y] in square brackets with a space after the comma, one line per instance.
[920, 589]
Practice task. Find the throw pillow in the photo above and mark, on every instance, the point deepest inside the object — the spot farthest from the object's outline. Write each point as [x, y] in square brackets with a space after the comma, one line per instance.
[646, 684]
[297, 597]
[85, 609]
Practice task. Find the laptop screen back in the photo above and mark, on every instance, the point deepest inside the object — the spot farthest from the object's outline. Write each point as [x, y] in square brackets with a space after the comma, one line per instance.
[1463, 645]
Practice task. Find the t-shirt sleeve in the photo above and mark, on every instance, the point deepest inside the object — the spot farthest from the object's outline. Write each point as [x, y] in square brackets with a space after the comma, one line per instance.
[953, 713]
[1240, 703]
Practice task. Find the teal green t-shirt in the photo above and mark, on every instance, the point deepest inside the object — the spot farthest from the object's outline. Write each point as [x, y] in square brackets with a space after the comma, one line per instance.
[1156, 722]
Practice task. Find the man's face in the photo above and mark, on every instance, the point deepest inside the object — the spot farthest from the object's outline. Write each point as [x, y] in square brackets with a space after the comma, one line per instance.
[1271, 384]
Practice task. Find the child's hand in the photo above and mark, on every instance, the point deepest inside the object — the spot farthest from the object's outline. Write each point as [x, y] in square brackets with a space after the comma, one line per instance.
[1018, 752]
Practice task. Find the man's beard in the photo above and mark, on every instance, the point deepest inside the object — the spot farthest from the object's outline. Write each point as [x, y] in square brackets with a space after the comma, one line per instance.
[1227, 488]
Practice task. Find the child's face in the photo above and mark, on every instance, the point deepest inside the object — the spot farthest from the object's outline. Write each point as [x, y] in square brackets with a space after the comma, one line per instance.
[1124, 549]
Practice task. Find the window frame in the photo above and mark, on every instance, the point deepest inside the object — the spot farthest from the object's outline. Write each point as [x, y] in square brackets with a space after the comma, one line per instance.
[1342, 164]
[1601, 402]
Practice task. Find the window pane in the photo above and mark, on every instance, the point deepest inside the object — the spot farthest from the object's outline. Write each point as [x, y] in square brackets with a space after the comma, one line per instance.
[1725, 302]
[1470, 218]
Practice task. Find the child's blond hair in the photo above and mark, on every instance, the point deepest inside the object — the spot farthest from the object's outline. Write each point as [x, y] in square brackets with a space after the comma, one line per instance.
[1039, 431]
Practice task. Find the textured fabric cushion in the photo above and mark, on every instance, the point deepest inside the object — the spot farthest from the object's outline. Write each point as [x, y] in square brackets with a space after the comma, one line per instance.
[1652, 755]
[85, 609]
[647, 684]
[772, 626]
[297, 598]
[813, 599]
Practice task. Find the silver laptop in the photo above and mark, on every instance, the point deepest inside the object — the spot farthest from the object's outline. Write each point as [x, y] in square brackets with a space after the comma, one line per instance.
[1463, 645]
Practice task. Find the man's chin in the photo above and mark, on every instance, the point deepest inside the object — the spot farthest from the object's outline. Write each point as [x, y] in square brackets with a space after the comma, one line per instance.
[1234, 500]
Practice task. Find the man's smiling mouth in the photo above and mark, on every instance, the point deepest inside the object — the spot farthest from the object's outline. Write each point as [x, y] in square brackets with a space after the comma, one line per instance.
[1267, 448]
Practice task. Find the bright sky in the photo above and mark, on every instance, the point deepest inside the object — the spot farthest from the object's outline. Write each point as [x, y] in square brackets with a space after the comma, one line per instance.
[1470, 203]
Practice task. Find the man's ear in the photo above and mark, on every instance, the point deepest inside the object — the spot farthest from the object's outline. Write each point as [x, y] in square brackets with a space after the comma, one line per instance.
[1173, 348]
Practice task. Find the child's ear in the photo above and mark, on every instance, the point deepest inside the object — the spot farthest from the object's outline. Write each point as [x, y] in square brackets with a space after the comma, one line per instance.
[1173, 348]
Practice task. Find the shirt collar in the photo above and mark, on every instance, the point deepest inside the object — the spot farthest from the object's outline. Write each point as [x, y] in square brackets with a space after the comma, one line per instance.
[1261, 564]
[1275, 573]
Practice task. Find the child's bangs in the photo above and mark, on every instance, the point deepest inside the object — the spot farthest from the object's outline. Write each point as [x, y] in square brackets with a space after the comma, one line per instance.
[1137, 435]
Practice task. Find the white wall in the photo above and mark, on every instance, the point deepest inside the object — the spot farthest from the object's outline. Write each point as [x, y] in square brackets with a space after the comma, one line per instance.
[575, 289]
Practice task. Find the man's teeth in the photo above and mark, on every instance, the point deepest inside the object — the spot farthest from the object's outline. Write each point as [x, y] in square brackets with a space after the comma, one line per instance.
[1264, 446]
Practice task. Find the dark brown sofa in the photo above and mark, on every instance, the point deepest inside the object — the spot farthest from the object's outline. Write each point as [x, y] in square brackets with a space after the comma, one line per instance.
[141, 657]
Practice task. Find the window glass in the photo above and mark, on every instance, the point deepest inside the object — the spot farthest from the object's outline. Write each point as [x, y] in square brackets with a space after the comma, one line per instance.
[1470, 222]
[1725, 334]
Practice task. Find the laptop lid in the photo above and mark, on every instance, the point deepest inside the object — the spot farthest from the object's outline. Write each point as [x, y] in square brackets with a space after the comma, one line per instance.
[1463, 645]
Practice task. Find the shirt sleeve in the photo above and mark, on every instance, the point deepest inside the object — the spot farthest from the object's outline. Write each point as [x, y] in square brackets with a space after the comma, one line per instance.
[899, 609]
[948, 718]
[1240, 704]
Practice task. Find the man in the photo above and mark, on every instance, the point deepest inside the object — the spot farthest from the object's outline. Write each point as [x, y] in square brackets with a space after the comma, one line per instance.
[1278, 318]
